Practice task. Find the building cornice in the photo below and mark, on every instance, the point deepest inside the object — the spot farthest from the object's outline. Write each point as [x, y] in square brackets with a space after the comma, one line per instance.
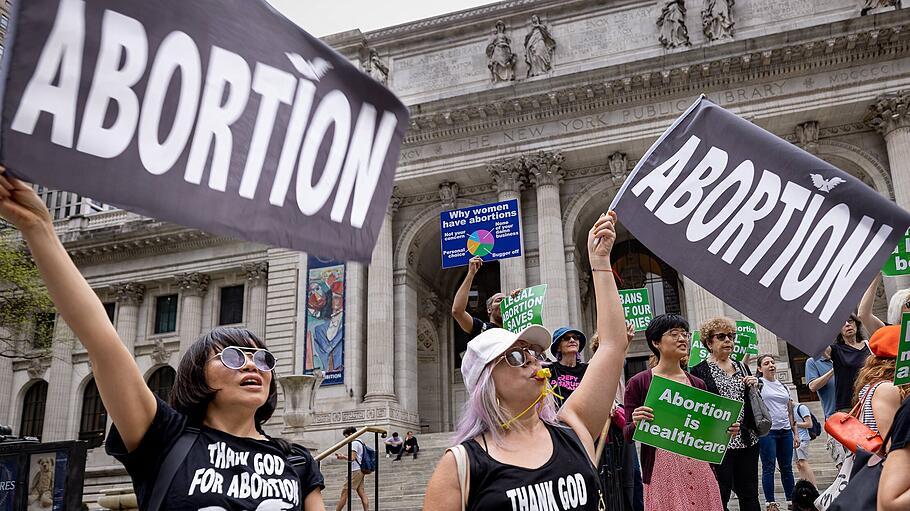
[862, 40]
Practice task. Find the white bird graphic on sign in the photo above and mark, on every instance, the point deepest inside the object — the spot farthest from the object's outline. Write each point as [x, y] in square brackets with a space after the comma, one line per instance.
[825, 185]
[310, 70]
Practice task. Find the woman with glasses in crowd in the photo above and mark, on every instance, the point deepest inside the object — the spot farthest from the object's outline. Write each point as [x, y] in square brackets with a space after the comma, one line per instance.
[778, 445]
[224, 391]
[512, 445]
[672, 482]
[731, 379]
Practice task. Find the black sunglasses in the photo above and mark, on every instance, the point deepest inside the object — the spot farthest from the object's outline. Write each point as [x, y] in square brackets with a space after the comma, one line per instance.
[722, 336]
[234, 357]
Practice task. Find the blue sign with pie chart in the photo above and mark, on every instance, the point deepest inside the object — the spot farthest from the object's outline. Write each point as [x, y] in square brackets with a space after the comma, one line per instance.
[489, 231]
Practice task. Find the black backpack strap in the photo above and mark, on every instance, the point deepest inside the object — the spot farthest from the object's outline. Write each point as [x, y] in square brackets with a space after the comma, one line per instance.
[169, 467]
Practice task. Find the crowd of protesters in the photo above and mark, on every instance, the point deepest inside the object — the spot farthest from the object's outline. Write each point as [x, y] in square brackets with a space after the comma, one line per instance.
[851, 370]
[535, 411]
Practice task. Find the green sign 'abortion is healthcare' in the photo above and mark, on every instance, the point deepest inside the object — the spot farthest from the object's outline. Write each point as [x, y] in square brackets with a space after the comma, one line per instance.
[637, 307]
[524, 309]
[902, 366]
[687, 421]
[898, 263]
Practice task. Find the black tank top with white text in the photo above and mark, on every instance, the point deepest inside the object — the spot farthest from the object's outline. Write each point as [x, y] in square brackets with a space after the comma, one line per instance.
[566, 482]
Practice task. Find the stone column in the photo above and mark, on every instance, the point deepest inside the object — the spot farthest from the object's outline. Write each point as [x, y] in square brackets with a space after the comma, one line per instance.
[405, 341]
[704, 305]
[129, 296]
[354, 321]
[257, 275]
[193, 287]
[380, 316]
[60, 384]
[889, 115]
[574, 289]
[510, 178]
[546, 172]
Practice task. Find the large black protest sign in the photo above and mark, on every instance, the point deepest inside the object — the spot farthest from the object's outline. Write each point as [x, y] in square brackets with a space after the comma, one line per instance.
[782, 236]
[216, 114]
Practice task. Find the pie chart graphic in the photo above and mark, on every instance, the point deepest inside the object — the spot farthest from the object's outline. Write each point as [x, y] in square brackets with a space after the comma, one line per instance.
[480, 243]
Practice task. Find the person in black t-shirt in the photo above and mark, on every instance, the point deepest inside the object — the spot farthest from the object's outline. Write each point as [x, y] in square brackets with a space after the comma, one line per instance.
[567, 371]
[511, 442]
[894, 485]
[410, 446]
[224, 387]
[848, 355]
[467, 322]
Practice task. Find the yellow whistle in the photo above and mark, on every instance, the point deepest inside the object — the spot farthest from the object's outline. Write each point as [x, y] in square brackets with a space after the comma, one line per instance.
[543, 373]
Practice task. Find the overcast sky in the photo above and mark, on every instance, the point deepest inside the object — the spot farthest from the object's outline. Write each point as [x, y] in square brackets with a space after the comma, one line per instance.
[324, 17]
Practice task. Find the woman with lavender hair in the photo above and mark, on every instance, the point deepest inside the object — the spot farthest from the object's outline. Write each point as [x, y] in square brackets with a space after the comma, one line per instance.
[513, 449]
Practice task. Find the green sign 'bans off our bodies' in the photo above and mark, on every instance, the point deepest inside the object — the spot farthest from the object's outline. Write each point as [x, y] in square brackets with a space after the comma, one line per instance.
[636, 306]
[687, 421]
[524, 309]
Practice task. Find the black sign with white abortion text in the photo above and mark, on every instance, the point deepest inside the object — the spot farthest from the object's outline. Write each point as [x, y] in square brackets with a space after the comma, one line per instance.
[779, 234]
[217, 114]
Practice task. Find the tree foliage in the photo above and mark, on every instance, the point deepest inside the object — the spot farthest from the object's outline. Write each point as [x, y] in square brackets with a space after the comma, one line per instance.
[26, 310]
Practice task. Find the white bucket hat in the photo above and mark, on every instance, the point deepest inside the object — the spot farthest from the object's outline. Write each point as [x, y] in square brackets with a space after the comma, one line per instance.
[492, 343]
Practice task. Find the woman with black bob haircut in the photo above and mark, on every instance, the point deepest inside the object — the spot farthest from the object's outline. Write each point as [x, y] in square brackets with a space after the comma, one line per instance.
[207, 449]
[191, 394]
[668, 338]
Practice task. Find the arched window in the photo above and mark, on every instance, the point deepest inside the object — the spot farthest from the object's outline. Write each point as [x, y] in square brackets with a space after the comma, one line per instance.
[33, 404]
[638, 268]
[94, 416]
[162, 381]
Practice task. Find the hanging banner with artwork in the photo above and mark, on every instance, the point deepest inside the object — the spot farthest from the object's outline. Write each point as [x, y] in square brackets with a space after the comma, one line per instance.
[324, 350]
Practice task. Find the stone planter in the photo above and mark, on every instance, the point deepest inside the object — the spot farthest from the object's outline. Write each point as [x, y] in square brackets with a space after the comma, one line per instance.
[299, 403]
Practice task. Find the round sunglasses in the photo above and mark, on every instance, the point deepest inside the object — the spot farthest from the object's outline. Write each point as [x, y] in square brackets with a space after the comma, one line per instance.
[234, 357]
[520, 357]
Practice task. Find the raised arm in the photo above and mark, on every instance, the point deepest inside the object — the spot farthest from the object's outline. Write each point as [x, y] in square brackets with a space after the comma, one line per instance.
[460, 303]
[864, 311]
[126, 397]
[586, 410]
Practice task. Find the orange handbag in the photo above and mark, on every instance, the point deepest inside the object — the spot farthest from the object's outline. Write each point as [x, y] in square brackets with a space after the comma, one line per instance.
[847, 429]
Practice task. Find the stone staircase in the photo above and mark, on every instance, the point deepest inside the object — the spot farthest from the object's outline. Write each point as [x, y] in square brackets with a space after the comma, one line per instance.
[403, 483]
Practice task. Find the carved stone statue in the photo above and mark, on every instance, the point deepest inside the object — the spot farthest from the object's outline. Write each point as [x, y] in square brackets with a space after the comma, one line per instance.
[448, 195]
[873, 5]
[539, 48]
[376, 69]
[499, 51]
[807, 135]
[717, 19]
[672, 24]
[618, 165]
